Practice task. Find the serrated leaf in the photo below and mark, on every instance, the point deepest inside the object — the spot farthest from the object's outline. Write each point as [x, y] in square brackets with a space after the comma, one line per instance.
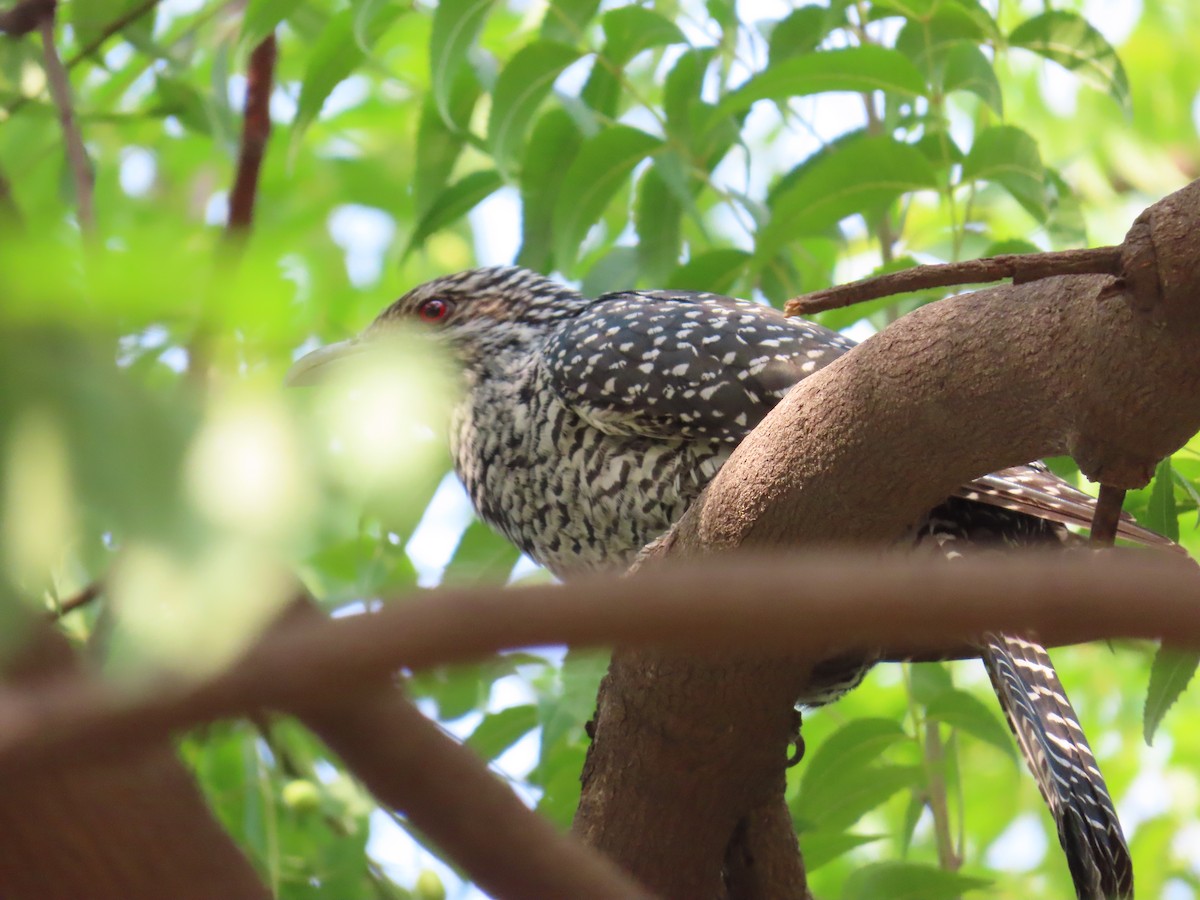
[966, 69]
[821, 847]
[840, 804]
[1161, 513]
[867, 68]
[1069, 40]
[456, 25]
[520, 89]
[454, 202]
[908, 881]
[1170, 673]
[861, 176]
[336, 55]
[438, 145]
[658, 219]
[628, 30]
[1008, 156]
[968, 713]
[681, 92]
[602, 163]
[716, 271]
[566, 20]
[842, 759]
[500, 730]
[802, 31]
[554, 143]
[262, 16]
[481, 557]
[616, 270]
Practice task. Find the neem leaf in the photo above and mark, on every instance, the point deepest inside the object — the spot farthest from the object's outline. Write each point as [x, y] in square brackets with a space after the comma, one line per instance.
[1070, 40]
[522, 85]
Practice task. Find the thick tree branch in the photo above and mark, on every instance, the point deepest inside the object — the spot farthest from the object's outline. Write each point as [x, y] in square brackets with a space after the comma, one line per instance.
[1098, 367]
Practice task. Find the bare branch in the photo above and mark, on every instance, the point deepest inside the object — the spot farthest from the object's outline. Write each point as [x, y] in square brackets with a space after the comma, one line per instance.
[1107, 516]
[1021, 267]
[256, 129]
[815, 606]
[60, 91]
[25, 16]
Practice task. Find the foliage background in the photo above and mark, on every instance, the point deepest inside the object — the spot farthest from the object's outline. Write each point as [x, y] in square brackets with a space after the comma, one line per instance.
[616, 145]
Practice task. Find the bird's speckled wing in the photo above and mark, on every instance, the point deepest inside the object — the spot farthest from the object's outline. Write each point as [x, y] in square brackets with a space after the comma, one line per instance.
[664, 364]
[681, 364]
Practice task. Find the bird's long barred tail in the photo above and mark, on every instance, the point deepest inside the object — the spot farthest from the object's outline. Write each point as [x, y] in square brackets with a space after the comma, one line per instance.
[1058, 754]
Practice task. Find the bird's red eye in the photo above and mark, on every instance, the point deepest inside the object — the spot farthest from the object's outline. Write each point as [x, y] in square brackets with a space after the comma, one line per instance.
[433, 310]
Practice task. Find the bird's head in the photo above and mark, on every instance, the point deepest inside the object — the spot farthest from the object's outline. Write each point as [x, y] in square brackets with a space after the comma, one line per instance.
[482, 315]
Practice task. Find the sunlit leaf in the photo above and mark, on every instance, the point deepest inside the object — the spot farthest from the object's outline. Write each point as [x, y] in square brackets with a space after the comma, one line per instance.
[1008, 155]
[967, 712]
[628, 30]
[566, 20]
[909, 881]
[549, 153]
[1170, 674]
[522, 86]
[714, 270]
[262, 16]
[335, 56]
[860, 176]
[438, 144]
[453, 203]
[802, 30]
[967, 69]
[856, 69]
[1071, 41]
[456, 25]
[821, 847]
[658, 219]
[500, 730]
[593, 177]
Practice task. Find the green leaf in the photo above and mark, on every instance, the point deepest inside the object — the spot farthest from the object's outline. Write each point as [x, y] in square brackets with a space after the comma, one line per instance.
[595, 175]
[716, 271]
[438, 145]
[843, 802]
[681, 92]
[860, 176]
[628, 30]
[335, 56]
[566, 20]
[261, 17]
[968, 713]
[856, 69]
[1069, 40]
[1008, 156]
[453, 203]
[482, 557]
[500, 730]
[456, 25]
[844, 765]
[908, 881]
[658, 219]
[802, 30]
[1170, 673]
[821, 847]
[965, 68]
[1161, 513]
[554, 143]
[616, 270]
[90, 17]
[522, 86]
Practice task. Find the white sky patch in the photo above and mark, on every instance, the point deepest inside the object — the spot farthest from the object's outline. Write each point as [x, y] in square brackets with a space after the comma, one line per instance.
[364, 233]
[496, 225]
[216, 210]
[1020, 847]
[137, 172]
[437, 535]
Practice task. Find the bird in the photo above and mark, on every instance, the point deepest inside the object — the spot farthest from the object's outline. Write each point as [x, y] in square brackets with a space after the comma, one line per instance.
[587, 425]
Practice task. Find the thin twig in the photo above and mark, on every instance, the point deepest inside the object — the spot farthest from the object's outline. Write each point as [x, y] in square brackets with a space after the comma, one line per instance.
[78, 600]
[1107, 517]
[1020, 267]
[60, 91]
[256, 129]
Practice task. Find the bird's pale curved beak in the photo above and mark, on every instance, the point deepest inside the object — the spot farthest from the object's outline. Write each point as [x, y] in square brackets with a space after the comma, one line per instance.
[312, 368]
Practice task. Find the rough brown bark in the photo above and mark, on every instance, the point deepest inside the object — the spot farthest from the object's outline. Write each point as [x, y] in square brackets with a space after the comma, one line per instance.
[1099, 367]
[113, 823]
